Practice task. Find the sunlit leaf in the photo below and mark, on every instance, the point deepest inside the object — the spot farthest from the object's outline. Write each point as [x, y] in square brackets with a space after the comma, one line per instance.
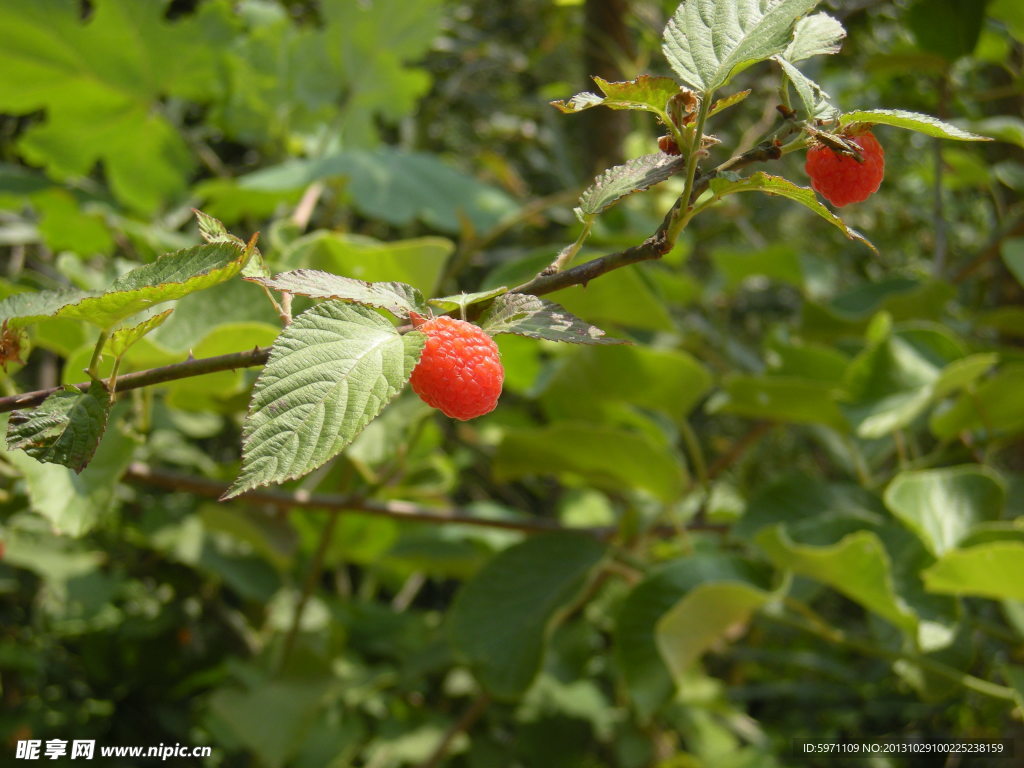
[526, 315]
[912, 121]
[633, 176]
[397, 298]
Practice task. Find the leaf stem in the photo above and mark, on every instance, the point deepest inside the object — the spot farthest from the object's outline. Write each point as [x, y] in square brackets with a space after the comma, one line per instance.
[691, 167]
[97, 353]
[567, 254]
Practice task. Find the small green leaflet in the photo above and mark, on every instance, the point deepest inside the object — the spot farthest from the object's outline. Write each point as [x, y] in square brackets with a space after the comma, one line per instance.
[645, 92]
[121, 339]
[526, 315]
[708, 41]
[912, 121]
[816, 102]
[397, 298]
[776, 185]
[728, 101]
[815, 35]
[329, 374]
[462, 300]
[172, 276]
[633, 176]
[64, 429]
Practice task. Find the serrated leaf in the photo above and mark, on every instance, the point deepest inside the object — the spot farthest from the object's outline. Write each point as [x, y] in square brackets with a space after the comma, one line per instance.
[776, 185]
[121, 339]
[815, 35]
[172, 276]
[633, 176]
[645, 93]
[912, 121]
[64, 429]
[329, 374]
[397, 298]
[502, 617]
[526, 315]
[708, 41]
[212, 230]
[462, 300]
[728, 101]
[817, 103]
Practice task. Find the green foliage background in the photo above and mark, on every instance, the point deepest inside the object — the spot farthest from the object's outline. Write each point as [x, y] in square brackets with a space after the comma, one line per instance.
[808, 462]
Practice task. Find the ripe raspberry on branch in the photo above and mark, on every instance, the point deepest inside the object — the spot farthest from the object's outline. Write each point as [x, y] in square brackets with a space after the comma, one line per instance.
[460, 371]
[842, 179]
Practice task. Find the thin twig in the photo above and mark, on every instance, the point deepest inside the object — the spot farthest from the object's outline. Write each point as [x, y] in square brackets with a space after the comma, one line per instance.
[399, 510]
[740, 447]
[463, 724]
[161, 375]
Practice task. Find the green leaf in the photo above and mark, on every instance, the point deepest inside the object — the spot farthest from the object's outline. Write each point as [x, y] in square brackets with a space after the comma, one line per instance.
[708, 41]
[397, 298]
[461, 301]
[610, 458]
[418, 262]
[212, 230]
[949, 28]
[701, 619]
[397, 187]
[815, 35]
[1012, 251]
[912, 121]
[64, 429]
[74, 503]
[993, 570]
[817, 103]
[636, 647]
[645, 93]
[776, 185]
[857, 566]
[172, 276]
[780, 398]
[731, 100]
[635, 175]
[329, 374]
[123, 338]
[628, 300]
[584, 383]
[102, 98]
[501, 619]
[994, 405]
[942, 505]
[527, 315]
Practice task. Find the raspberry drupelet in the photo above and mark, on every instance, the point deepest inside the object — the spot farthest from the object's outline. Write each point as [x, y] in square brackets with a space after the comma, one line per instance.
[460, 371]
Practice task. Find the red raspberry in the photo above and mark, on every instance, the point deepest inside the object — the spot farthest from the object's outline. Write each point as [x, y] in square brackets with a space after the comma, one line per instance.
[842, 180]
[460, 371]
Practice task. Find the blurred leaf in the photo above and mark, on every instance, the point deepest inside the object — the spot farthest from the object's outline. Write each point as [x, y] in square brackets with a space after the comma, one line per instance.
[728, 183]
[815, 35]
[911, 121]
[628, 300]
[779, 261]
[702, 619]
[518, 596]
[636, 175]
[64, 225]
[949, 28]
[75, 503]
[1001, 128]
[395, 186]
[329, 374]
[994, 405]
[526, 315]
[993, 570]
[64, 429]
[669, 381]
[610, 458]
[942, 505]
[172, 276]
[418, 262]
[397, 298]
[856, 566]
[708, 41]
[780, 398]
[101, 97]
[1012, 251]
[636, 648]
